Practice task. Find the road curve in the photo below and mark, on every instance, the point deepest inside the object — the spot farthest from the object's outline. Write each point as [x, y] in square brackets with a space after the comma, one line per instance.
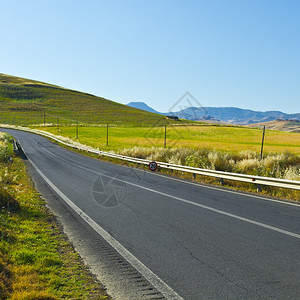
[188, 240]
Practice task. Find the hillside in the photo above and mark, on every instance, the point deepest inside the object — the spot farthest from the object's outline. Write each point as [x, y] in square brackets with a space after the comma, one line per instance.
[282, 125]
[24, 102]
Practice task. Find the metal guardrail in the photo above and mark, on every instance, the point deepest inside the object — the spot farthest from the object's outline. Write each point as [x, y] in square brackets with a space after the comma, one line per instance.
[15, 147]
[259, 180]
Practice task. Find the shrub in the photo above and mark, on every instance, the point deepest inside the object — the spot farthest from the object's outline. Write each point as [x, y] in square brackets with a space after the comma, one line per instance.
[221, 161]
[33, 295]
[5, 280]
[292, 173]
[24, 257]
[198, 161]
[248, 166]
[6, 149]
[7, 201]
[248, 154]
[284, 165]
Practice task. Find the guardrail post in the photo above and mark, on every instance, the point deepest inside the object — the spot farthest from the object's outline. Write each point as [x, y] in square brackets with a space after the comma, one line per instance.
[258, 188]
[194, 175]
[222, 181]
[15, 147]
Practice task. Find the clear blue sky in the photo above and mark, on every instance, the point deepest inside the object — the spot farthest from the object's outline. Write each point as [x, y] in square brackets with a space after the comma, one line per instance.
[243, 53]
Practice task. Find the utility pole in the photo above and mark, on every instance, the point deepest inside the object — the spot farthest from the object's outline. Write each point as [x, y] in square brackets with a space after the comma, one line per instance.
[261, 154]
[106, 134]
[262, 143]
[77, 130]
[165, 142]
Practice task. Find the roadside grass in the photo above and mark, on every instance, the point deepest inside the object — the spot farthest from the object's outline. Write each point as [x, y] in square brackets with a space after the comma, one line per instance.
[36, 259]
[224, 138]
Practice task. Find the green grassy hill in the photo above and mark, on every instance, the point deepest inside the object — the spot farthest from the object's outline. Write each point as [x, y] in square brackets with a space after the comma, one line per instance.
[24, 102]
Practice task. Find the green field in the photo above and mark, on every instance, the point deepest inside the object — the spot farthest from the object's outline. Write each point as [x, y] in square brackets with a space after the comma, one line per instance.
[230, 138]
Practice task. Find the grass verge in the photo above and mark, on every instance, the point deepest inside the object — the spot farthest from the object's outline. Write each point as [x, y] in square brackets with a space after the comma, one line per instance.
[36, 259]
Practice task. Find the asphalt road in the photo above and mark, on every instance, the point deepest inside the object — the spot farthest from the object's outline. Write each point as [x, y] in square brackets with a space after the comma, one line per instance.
[186, 240]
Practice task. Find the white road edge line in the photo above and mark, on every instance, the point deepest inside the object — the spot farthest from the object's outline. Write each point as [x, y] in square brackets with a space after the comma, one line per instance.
[35, 141]
[159, 284]
[295, 235]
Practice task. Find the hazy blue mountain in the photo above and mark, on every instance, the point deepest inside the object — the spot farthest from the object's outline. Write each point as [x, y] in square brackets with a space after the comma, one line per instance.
[143, 106]
[232, 115]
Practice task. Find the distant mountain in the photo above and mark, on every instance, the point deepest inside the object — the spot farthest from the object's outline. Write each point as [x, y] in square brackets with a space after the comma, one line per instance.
[283, 125]
[234, 115]
[231, 115]
[143, 106]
